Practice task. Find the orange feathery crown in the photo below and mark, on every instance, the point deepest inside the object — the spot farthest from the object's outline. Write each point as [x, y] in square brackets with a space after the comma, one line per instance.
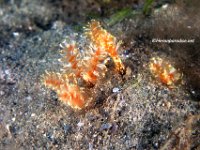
[86, 69]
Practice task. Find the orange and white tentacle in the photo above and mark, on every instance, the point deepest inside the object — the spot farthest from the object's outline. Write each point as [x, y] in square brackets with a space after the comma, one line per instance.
[93, 66]
[67, 92]
[164, 71]
[103, 39]
[70, 54]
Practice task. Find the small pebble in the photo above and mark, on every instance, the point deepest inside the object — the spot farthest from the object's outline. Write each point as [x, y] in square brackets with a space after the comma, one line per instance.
[33, 115]
[28, 98]
[16, 34]
[115, 90]
[90, 146]
[7, 72]
[165, 6]
[105, 126]
[66, 128]
[2, 93]
[80, 124]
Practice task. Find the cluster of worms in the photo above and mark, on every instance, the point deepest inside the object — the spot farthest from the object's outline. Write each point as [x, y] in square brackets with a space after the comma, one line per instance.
[164, 71]
[83, 70]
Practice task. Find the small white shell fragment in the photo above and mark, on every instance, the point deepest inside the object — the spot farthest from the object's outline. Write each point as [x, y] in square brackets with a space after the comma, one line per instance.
[115, 90]
[80, 124]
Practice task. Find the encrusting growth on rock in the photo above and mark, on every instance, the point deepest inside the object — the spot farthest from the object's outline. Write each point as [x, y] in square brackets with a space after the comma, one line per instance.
[74, 83]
